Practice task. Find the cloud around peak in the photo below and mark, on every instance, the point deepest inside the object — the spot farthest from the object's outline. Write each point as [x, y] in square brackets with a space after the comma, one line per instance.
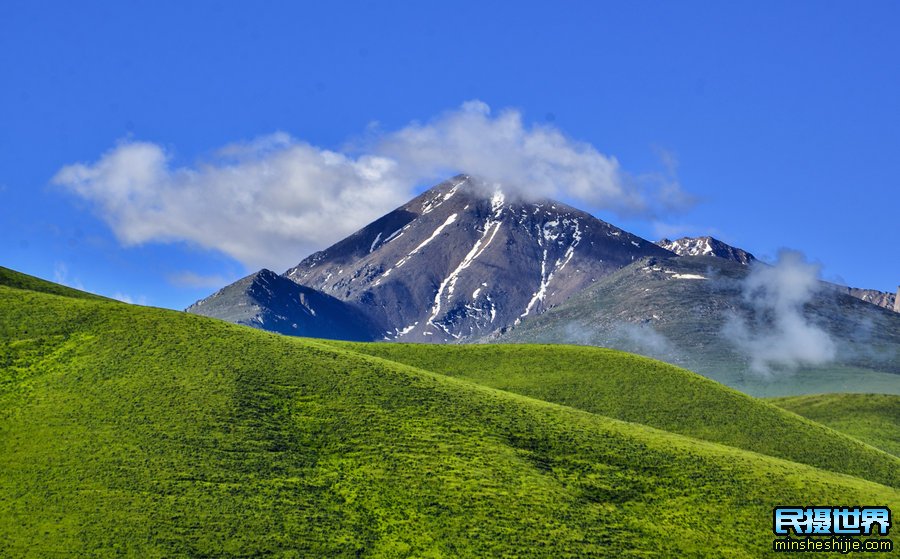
[273, 200]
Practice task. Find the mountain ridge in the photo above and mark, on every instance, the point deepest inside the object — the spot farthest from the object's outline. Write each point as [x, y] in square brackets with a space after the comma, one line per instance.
[268, 301]
[463, 259]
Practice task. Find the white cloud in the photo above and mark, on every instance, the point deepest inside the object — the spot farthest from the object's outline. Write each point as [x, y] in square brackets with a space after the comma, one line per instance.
[779, 336]
[646, 338]
[273, 200]
[62, 277]
[534, 161]
[265, 203]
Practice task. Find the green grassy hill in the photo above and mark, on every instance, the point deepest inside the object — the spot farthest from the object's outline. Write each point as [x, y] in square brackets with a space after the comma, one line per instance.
[641, 390]
[140, 432]
[18, 280]
[873, 418]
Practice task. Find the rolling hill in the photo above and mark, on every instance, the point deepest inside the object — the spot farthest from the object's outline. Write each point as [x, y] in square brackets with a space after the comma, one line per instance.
[143, 432]
[18, 280]
[873, 418]
[641, 390]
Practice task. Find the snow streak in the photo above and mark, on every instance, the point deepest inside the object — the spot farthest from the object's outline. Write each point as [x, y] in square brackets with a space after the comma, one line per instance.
[437, 232]
[550, 235]
[375, 243]
[491, 226]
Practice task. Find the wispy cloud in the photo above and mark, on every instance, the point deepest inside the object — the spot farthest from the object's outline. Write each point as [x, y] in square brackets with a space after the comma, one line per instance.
[272, 200]
[645, 339]
[778, 336]
[61, 276]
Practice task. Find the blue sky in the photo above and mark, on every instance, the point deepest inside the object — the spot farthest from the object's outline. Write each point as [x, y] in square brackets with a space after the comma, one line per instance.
[781, 119]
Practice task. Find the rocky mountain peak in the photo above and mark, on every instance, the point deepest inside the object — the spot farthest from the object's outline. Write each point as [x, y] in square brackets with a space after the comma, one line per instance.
[464, 259]
[706, 246]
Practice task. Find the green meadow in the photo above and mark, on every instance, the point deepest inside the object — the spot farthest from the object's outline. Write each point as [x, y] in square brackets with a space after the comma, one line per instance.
[139, 432]
[873, 418]
[642, 390]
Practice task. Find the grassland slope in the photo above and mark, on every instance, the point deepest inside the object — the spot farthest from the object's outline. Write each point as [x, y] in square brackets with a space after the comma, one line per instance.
[18, 280]
[873, 418]
[140, 432]
[641, 390]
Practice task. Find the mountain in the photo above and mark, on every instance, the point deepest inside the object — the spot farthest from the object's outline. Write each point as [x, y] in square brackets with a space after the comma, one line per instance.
[676, 309]
[706, 246]
[458, 262]
[465, 262]
[271, 302]
[135, 431]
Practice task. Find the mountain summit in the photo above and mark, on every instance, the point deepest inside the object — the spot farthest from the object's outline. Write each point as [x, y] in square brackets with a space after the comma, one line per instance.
[464, 259]
[460, 261]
